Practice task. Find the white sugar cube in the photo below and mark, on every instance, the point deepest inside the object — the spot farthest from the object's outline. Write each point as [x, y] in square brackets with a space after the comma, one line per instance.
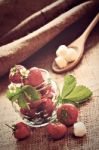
[61, 62]
[79, 129]
[71, 55]
[62, 51]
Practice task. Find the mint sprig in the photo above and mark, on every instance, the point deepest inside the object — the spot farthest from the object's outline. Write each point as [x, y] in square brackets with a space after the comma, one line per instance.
[13, 96]
[23, 94]
[22, 101]
[31, 92]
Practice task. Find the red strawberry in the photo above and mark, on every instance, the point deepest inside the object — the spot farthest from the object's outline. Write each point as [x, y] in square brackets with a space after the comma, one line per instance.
[56, 130]
[45, 105]
[28, 112]
[15, 75]
[35, 77]
[21, 131]
[67, 114]
[24, 111]
[49, 108]
[48, 92]
[36, 103]
[32, 113]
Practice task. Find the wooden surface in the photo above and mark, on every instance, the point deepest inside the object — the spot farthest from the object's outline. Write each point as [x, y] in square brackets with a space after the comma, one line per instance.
[87, 73]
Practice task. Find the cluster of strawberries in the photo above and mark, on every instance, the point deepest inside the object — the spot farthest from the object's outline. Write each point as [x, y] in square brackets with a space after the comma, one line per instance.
[66, 114]
[34, 77]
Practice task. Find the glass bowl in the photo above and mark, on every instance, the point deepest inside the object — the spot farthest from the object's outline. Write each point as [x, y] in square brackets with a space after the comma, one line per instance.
[40, 111]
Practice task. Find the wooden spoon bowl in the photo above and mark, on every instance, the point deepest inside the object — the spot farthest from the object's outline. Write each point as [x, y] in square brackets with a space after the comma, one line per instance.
[78, 45]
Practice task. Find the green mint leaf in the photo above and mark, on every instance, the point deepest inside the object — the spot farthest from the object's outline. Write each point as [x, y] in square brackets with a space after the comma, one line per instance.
[69, 85]
[22, 101]
[13, 96]
[79, 94]
[31, 92]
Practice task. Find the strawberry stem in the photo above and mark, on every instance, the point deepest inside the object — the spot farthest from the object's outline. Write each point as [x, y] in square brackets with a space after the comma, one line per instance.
[64, 113]
[9, 126]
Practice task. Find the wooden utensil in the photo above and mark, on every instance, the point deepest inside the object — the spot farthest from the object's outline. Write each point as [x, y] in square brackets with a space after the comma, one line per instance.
[78, 45]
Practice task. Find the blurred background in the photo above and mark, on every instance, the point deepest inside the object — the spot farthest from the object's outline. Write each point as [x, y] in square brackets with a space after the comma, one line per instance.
[12, 12]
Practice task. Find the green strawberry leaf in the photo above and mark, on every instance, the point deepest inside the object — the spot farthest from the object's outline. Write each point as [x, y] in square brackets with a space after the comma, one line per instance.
[31, 92]
[69, 85]
[22, 101]
[22, 94]
[13, 96]
[79, 94]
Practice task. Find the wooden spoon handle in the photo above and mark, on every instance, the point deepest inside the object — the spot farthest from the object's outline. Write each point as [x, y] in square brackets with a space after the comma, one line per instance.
[86, 33]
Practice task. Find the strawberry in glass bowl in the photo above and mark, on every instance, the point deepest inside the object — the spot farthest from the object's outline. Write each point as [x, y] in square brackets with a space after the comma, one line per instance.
[33, 94]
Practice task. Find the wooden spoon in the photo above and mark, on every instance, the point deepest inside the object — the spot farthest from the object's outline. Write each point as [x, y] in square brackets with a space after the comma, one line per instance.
[78, 45]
